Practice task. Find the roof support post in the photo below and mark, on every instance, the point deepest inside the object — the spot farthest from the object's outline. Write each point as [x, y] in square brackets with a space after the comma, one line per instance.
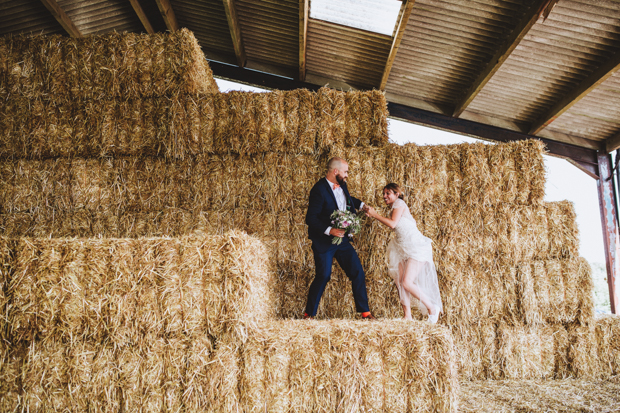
[609, 220]
[303, 36]
[165, 8]
[235, 31]
[405, 12]
[142, 16]
[62, 18]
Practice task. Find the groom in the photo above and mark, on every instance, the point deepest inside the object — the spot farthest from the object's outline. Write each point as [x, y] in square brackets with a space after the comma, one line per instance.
[326, 196]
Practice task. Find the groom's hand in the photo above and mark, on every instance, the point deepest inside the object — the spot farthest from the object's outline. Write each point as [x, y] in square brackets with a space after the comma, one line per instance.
[337, 232]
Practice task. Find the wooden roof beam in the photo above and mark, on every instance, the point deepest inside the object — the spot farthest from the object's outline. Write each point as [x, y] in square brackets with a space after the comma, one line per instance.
[303, 36]
[142, 16]
[405, 12]
[60, 15]
[588, 84]
[613, 143]
[235, 32]
[521, 29]
[165, 8]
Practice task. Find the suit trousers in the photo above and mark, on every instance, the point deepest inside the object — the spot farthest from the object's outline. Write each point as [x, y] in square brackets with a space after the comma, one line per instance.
[347, 258]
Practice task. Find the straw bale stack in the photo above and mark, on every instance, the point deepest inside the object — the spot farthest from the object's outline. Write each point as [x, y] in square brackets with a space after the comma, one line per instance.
[184, 125]
[136, 65]
[331, 360]
[121, 289]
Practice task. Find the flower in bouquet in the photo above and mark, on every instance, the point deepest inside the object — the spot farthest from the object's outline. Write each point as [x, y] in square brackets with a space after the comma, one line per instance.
[346, 220]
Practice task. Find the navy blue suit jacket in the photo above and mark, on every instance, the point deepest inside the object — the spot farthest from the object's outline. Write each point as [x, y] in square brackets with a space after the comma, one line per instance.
[321, 204]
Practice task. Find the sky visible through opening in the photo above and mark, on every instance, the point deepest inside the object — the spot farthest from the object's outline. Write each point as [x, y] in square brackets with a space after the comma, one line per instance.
[377, 16]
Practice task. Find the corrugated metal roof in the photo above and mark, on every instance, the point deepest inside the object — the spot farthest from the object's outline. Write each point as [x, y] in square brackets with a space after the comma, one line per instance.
[27, 16]
[207, 19]
[596, 116]
[354, 56]
[553, 58]
[446, 46]
[101, 16]
[270, 30]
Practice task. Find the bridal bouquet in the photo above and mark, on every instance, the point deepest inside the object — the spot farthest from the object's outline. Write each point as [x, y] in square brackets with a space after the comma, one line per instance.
[346, 220]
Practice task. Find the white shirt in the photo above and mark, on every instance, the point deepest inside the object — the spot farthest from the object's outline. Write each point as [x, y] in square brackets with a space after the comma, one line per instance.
[341, 200]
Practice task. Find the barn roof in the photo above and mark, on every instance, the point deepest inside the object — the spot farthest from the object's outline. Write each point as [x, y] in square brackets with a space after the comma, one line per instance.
[494, 69]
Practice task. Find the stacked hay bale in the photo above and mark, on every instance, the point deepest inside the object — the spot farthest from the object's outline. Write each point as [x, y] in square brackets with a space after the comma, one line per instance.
[187, 160]
[100, 322]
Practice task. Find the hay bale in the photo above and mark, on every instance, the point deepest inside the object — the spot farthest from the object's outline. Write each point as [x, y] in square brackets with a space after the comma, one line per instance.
[522, 351]
[45, 376]
[135, 65]
[582, 352]
[198, 395]
[476, 175]
[568, 395]
[124, 288]
[339, 361]
[93, 378]
[607, 330]
[526, 290]
[531, 171]
[557, 291]
[563, 232]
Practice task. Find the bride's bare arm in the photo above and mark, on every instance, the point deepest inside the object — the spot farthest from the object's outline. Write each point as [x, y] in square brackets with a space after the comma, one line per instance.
[390, 222]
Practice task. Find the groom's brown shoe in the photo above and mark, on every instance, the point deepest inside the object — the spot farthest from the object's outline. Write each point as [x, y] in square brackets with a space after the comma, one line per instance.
[368, 316]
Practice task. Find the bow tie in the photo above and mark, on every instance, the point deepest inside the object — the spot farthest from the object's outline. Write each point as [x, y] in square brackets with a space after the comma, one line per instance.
[336, 186]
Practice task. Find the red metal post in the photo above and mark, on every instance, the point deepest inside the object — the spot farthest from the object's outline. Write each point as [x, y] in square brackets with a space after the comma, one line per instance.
[609, 220]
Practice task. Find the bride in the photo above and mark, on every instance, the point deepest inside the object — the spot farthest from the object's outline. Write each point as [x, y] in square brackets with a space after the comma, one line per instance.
[410, 257]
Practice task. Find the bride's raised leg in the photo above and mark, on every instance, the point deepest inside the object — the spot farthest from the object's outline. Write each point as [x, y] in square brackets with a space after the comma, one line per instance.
[404, 295]
[412, 269]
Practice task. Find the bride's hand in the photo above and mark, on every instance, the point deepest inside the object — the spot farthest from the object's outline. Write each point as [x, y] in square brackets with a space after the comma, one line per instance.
[370, 212]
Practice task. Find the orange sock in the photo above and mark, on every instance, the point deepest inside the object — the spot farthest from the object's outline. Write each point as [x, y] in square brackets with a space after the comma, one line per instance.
[366, 314]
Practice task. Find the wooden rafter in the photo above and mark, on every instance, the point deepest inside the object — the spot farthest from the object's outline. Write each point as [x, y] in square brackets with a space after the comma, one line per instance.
[165, 8]
[596, 78]
[303, 33]
[523, 27]
[235, 31]
[405, 12]
[142, 16]
[60, 15]
[613, 143]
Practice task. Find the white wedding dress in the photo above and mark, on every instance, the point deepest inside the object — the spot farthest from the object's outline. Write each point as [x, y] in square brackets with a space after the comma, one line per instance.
[410, 247]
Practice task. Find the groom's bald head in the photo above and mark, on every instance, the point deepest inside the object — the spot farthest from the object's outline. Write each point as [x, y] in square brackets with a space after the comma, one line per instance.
[335, 163]
[337, 170]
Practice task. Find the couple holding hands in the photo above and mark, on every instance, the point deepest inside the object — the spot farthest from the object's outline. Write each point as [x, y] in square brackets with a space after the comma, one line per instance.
[409, 253]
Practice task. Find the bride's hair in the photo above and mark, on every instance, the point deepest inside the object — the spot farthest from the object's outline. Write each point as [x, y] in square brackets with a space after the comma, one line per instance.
[394, 188]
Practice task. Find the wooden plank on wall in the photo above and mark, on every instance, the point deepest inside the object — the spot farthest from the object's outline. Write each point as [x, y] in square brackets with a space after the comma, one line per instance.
[62, 18]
